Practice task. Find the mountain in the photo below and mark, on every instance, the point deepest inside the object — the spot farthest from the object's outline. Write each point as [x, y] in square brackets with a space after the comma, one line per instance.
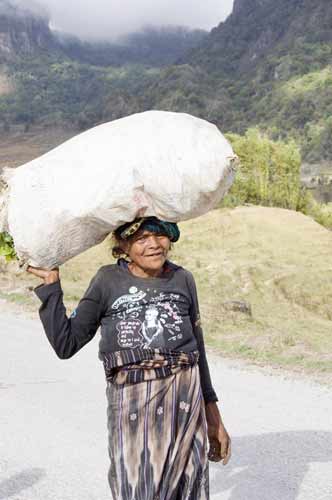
[51, 78]
[151, 46]
[26, 33]
[267, 65]
[23, 33]
[255, 29]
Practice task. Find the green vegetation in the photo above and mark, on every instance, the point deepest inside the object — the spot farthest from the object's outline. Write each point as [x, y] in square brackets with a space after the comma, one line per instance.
[267, 66]
[155, 47]
[55, 91]
[300, 107]
[7, 249]
[269, 175]
[269, 172]
[276, 99]
[20, 299]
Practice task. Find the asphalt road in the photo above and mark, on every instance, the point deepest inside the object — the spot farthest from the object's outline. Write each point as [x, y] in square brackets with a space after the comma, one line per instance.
[53, 435]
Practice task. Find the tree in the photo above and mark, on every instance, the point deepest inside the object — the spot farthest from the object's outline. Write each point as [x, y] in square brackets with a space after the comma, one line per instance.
[269, 172]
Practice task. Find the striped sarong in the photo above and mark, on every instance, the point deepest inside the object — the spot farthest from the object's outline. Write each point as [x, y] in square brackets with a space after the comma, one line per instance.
[157, 433]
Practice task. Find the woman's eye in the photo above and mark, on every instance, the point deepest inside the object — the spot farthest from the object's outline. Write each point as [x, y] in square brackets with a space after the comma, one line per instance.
[142, 239]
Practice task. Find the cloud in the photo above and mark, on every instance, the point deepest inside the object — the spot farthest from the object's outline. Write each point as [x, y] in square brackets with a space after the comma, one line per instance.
[21, 7]
[107, 19]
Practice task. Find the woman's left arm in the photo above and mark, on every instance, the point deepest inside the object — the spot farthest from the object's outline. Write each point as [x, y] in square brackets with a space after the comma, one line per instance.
[220, 442]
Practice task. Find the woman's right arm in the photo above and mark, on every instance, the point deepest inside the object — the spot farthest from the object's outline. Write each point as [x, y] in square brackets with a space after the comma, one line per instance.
[68, 335]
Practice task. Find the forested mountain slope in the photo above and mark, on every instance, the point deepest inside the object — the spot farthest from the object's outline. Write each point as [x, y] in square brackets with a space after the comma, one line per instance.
[52, 78]
[268, 64]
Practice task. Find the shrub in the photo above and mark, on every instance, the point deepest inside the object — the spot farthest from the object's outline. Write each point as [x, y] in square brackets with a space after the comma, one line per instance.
[7, 249]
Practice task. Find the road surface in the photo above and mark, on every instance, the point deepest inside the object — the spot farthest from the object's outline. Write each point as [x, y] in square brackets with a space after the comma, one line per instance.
[53, 435]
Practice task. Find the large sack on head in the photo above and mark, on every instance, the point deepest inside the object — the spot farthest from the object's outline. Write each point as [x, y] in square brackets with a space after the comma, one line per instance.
[170, 165]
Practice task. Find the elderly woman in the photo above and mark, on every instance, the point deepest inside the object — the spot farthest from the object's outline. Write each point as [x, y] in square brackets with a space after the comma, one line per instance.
[162, 407]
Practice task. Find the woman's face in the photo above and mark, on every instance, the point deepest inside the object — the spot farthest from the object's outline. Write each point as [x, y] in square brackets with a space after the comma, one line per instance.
[148, 250]
[151, 314]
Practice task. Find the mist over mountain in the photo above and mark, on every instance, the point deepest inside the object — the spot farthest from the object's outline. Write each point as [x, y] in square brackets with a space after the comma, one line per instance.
[151, 46]
[27, 31]
[21, 8]
[108, 20]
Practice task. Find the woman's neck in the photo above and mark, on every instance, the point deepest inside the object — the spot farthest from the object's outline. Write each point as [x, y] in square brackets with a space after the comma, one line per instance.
[144, 273]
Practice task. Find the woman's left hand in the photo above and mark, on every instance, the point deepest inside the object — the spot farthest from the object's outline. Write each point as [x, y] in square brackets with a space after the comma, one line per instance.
[220, 442]
[48, 275]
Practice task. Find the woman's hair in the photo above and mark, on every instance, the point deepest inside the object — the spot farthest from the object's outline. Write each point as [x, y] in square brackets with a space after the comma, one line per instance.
[117, 250]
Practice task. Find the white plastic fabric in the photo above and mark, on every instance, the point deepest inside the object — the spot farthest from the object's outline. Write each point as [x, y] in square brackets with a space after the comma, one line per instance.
[170, 165]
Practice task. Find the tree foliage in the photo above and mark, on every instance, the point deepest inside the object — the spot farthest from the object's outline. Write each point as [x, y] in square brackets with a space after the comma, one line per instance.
[56, 91]
[269, 172]
[269, 175]
[7, 249]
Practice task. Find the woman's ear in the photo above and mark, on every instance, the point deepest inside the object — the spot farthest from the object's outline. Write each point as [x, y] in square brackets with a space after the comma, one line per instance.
[125, 247]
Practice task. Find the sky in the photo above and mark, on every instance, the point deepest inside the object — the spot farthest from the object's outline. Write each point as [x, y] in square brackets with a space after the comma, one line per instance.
[107, 19]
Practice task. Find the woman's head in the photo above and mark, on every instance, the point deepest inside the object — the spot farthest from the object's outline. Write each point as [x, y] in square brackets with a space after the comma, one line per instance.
[145, 241]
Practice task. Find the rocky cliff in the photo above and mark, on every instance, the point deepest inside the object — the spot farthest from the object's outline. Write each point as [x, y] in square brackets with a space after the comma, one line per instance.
[23, 33]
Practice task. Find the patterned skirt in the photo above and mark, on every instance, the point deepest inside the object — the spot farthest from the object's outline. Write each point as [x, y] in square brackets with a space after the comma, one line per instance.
[157, 432]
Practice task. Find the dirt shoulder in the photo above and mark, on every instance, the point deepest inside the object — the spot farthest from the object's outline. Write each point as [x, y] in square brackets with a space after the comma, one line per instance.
[7, 307]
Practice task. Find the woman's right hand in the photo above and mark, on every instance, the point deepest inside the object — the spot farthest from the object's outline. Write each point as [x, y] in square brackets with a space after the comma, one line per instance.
[48, 275]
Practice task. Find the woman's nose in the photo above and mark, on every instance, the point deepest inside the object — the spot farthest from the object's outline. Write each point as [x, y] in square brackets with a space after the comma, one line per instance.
[153, 241]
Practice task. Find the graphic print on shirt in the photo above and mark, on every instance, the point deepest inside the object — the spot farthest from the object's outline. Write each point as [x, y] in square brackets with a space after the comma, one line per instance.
[152, 326]
[147, 319]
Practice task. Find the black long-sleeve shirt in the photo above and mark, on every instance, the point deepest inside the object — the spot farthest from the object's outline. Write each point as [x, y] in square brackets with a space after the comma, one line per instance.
[136, 315]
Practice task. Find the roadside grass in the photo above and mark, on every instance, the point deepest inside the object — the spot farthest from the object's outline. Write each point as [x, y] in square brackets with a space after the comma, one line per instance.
[264, 279]
[279, 263]
[16, 298]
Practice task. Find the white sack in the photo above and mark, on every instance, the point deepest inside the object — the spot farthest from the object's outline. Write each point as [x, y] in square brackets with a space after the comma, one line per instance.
[170, 165]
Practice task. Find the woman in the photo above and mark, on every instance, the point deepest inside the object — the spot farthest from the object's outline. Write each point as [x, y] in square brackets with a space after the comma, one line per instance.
[161, 403]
